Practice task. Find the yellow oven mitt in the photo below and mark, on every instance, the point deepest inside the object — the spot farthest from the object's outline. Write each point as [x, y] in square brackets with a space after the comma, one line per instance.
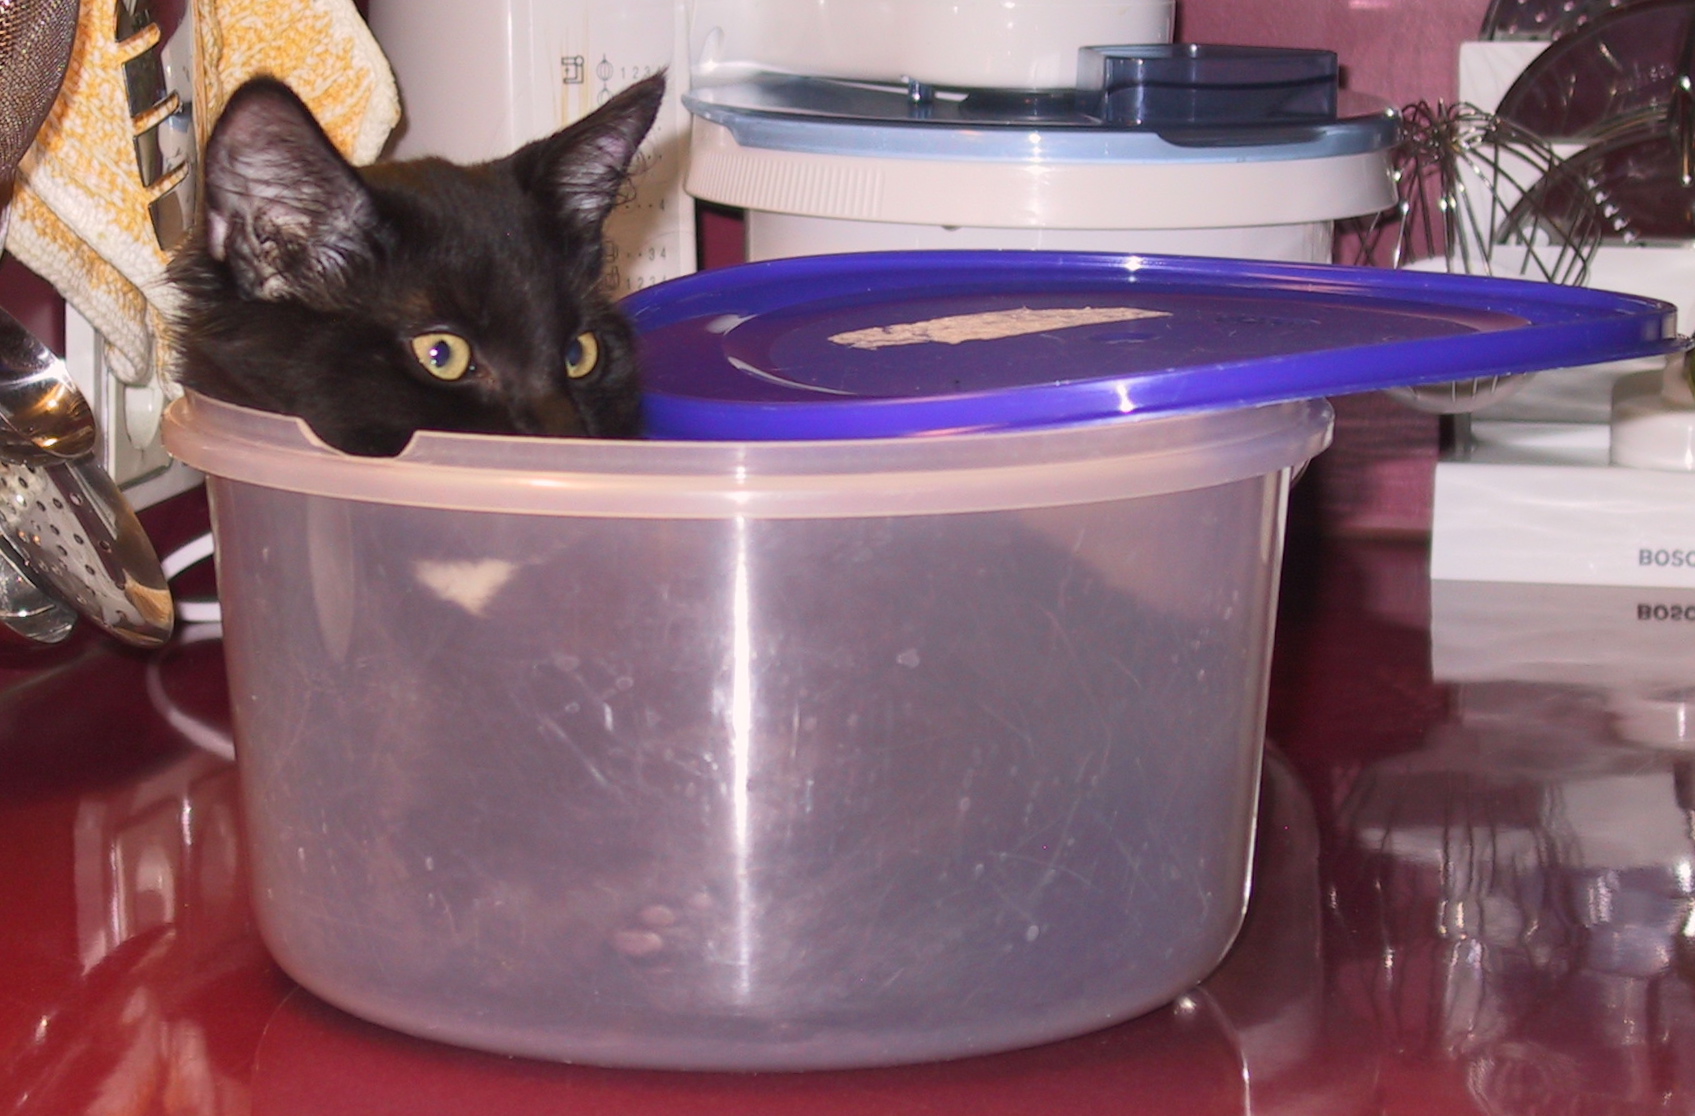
[80, 212]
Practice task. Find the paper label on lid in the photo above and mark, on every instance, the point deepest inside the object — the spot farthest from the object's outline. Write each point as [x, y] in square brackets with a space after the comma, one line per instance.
[990, 325]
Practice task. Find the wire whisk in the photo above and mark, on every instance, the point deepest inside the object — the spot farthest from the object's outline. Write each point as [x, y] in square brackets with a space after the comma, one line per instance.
[1479, 195]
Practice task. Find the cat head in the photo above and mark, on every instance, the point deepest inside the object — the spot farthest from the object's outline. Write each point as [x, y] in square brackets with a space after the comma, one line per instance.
[377, 301]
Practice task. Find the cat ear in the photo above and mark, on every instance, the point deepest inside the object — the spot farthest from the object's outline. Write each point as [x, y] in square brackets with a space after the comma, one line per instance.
[581, 170]
[288, 215]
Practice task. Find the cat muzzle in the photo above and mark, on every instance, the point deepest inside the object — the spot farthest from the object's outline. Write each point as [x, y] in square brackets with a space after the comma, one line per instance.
[556, 417]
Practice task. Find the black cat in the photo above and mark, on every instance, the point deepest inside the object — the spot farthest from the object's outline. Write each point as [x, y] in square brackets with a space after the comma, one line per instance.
[378, 301]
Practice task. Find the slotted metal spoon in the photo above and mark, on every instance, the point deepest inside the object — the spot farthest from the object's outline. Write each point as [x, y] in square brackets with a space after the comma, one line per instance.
[69, 542]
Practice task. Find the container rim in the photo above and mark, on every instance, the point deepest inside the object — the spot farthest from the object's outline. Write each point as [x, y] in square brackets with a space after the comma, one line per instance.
[937, 474]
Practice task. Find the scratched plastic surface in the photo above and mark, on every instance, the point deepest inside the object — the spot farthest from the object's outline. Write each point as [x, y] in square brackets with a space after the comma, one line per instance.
[777, 788]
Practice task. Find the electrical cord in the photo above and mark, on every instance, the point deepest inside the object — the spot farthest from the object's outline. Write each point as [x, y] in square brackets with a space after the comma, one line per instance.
[202, 621]
[186, 557]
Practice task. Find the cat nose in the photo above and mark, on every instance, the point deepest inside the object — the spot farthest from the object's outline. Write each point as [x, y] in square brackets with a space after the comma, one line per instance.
[557, 417]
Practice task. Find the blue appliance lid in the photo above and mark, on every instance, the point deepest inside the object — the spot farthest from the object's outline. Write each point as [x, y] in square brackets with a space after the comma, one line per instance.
[902, 343]
[1141, 103]
[823, 116]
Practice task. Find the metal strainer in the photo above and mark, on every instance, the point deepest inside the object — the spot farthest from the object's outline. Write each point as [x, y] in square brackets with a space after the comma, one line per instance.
[69, 542]
[35, 45]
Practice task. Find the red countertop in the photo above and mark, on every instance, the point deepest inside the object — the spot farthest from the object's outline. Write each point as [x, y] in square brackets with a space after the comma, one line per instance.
[1435, 926]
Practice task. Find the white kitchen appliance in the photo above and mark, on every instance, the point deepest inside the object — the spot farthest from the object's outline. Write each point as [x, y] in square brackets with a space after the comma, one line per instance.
[852, 125]
[1015, 44]
[479, 80]
[1587, 475]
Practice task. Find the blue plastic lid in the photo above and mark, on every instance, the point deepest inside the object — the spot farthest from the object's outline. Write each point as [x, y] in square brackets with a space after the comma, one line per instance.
[901, 343]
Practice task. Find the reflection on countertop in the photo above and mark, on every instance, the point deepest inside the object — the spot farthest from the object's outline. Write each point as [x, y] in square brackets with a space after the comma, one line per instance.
[1526, 881]
[133, 980]
[1473, 893]
[1521, 888]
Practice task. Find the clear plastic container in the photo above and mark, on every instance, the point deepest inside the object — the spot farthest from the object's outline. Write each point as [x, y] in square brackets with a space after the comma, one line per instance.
[935, 735]
[766, 755]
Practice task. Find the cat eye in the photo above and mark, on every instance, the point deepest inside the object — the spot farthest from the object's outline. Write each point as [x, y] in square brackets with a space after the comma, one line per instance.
[446, 356]
[582, 356]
